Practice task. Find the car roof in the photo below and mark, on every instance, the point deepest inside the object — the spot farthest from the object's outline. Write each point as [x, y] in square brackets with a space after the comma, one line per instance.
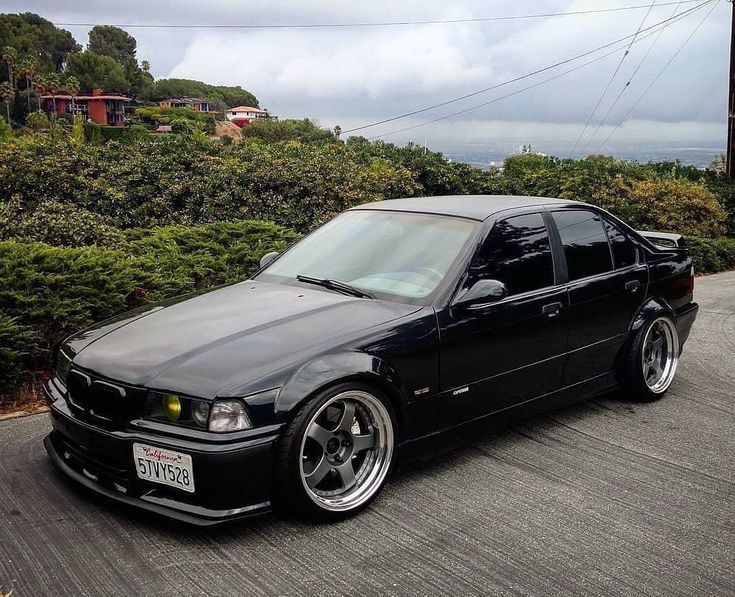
[475, 207]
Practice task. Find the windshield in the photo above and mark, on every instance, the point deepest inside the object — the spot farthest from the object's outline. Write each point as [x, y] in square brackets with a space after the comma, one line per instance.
[401, 254]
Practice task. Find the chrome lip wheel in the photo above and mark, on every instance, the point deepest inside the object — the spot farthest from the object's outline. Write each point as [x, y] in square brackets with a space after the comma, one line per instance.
[660, 355]
[346, 450]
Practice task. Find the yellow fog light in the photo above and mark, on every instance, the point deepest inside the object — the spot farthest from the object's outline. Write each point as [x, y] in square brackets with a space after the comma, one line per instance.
[172, 407]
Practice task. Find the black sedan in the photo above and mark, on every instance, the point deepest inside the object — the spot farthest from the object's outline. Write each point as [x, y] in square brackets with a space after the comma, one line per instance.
[398, 329]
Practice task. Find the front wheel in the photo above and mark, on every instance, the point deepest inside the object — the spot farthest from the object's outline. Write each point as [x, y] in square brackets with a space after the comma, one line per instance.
[650, 365]
[336, 454]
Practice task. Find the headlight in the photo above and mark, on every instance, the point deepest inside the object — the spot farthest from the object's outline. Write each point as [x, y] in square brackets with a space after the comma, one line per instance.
[63, 364]
[181, 410]
[229, 415]
[219, 416]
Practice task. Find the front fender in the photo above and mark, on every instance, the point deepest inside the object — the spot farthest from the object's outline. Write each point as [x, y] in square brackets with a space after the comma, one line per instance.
[335, 368]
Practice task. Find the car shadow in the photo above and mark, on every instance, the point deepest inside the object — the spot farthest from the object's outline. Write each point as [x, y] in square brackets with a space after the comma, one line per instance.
[404, 478]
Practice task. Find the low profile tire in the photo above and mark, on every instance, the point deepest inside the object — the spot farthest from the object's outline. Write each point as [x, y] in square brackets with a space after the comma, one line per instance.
[650, 365]
[336, 453]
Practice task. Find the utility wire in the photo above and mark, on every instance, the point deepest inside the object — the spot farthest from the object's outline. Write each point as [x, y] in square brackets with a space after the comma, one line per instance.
[627, 84]
[658, 76]
[369, 24]
[521, 77]
[610, 81]
[547, 80]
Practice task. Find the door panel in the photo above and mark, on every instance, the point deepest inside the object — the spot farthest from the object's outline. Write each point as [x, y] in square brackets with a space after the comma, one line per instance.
[600, 312]
[506, 354]
[511, 350]
[606, 289]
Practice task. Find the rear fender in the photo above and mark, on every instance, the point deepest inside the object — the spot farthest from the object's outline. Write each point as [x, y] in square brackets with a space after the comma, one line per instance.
[651, 308]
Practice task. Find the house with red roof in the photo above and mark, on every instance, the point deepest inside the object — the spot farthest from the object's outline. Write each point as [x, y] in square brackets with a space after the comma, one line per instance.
[100, 108]
[244, 115]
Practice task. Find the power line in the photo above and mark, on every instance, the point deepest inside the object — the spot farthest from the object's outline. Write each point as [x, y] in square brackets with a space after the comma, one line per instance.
[558, 75]
[521, 77]
[370, 24]
[627, 83]
[610, 81]
[658, 76]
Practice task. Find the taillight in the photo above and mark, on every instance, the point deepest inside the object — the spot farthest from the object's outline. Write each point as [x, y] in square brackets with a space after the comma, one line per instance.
[691, 280]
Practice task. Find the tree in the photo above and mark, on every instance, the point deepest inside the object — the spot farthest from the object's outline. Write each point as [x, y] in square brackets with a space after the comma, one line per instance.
[40, 86]
[7, 93]
[231, 96]
[10, 56]
[146, 66]
[32, 35]
[27, 69]
[94, 71]
[114, 42]
[53, 84]
[72, 86]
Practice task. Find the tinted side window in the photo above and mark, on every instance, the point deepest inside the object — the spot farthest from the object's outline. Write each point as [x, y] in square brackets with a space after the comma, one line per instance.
[516, 252]
[624, 250]
[585, 243]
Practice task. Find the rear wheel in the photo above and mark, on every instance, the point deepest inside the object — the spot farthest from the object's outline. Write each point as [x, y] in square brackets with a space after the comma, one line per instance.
[651, 363]
[336, 454]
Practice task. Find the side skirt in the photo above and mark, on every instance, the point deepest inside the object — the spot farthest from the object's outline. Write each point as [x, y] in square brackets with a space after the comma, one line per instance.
[450, 438]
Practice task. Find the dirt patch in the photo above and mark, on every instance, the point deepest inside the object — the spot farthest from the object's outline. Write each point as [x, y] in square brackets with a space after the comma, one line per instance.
[226, 128]
[28, 400]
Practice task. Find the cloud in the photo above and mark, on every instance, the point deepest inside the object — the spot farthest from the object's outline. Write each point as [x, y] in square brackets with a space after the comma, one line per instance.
[359, 75]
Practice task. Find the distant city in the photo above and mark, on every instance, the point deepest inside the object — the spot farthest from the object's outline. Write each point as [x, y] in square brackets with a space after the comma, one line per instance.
[690, 156]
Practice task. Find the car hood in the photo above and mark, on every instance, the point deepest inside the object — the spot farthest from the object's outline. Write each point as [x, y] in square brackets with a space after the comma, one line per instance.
[238, 333]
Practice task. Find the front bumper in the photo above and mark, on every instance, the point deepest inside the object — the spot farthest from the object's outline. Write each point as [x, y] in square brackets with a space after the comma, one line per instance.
[232, 478]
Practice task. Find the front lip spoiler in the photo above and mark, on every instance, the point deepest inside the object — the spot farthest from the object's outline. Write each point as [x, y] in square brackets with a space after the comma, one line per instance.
[187, 513]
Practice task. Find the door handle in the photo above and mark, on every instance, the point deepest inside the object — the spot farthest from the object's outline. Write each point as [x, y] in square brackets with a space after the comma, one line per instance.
[552, 309]
[632, 285]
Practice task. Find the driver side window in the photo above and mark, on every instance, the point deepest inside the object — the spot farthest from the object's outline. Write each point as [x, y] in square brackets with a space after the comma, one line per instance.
[517, 252]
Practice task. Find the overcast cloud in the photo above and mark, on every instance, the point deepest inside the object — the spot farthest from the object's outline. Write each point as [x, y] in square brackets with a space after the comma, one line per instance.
[353, 76]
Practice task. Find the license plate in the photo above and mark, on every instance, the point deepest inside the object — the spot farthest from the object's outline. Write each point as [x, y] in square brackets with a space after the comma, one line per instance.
[164, 466]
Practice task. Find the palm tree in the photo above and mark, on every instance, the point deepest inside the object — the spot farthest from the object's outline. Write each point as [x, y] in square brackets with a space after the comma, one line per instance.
[7, 93]
[53, 83]
[27, 69]
[10, 55]
[40, 86]
[72, 86]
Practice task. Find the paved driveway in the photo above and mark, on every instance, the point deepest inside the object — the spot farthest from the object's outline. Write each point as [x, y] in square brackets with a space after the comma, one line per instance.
[603, 498]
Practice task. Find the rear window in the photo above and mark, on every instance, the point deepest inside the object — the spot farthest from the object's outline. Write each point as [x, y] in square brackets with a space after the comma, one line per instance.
[624, 250]
[518, 253]
[585, 243]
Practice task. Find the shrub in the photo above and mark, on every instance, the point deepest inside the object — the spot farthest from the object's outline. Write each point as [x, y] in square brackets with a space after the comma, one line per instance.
[37, 121]
[60, 224]
[53, 291]
[711, 255]
[285, 130]
[17, 343]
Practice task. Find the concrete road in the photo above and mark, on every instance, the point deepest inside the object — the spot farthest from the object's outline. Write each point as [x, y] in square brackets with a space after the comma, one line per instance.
[606, 498]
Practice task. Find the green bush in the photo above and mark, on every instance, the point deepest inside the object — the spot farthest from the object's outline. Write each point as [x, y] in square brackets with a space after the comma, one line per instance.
[53, 291]
[59, 224]
[711, 255]
[635, 193]
[17, 344]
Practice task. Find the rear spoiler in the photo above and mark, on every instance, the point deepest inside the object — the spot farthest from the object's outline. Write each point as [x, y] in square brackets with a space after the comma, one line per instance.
[664, 240]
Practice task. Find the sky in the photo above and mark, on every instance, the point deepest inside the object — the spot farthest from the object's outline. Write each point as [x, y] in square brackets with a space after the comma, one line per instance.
[358, 75]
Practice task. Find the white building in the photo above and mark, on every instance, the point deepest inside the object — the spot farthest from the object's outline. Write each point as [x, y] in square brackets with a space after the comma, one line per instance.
[244, 115]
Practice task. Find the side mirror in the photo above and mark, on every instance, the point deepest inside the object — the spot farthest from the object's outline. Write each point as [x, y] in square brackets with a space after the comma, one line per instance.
[483, 291]
[268, 258]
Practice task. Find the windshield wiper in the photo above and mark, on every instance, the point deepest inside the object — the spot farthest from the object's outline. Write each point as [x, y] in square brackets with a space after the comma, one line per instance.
[342, 287]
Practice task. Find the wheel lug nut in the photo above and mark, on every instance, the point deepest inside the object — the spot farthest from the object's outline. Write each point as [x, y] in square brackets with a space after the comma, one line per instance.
[345, 443]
